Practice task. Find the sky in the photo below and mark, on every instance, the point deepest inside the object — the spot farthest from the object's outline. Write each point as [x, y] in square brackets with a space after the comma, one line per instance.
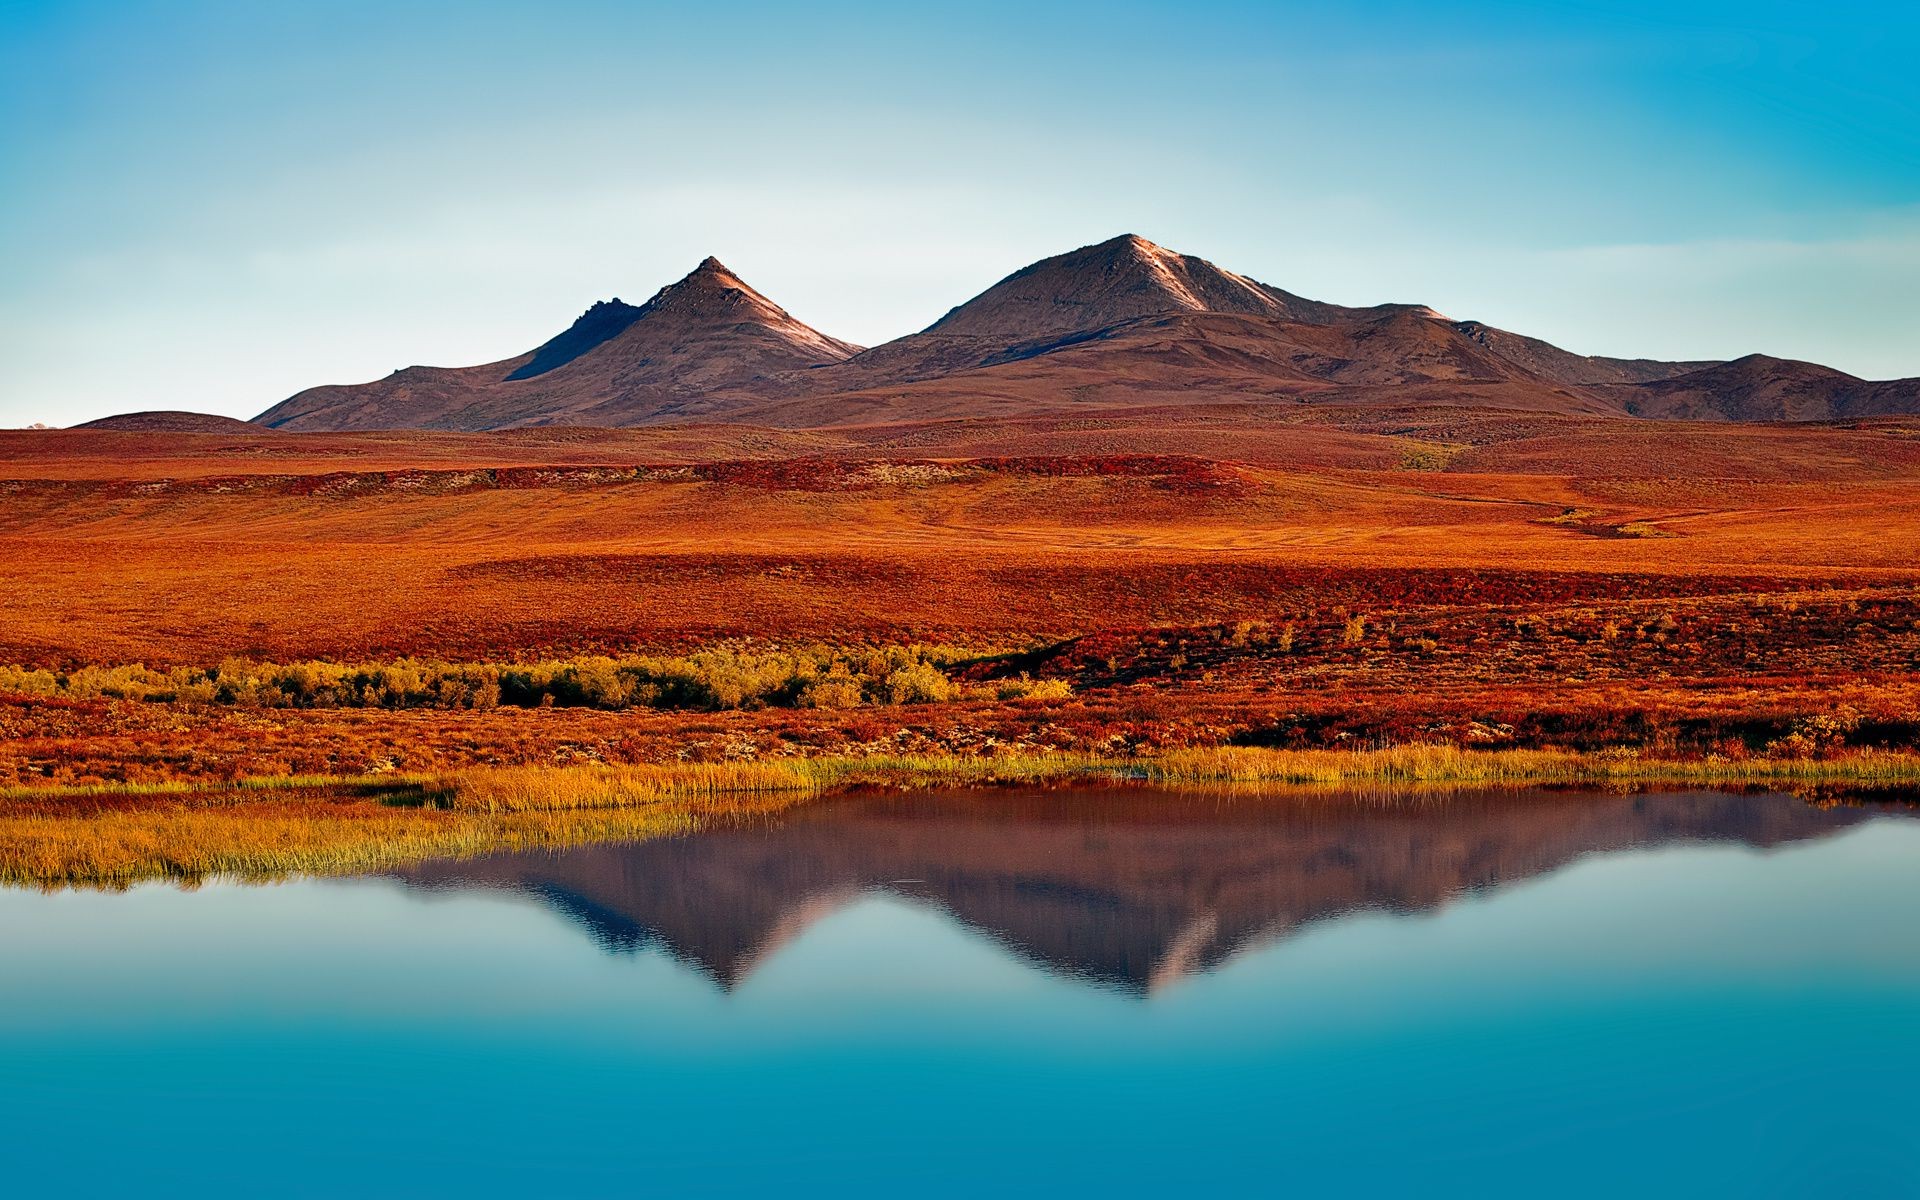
[210, 206]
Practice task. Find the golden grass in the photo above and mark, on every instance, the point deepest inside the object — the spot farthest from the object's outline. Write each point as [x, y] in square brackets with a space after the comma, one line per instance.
[267, 828]
[525, 789]
[185, 838]
[1455, 764]
[597, 786]
[387, 783]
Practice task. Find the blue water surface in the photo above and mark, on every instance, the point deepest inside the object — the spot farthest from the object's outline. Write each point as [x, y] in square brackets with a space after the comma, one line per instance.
[1694, 994]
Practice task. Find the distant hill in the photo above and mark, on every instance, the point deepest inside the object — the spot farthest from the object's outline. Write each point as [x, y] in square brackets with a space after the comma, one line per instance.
[1123, 323]
[1759, 388]
[170, 421]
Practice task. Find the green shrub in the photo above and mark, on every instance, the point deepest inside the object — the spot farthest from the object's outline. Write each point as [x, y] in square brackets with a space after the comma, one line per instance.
[1023, 688]
[832, 691]
[919, 683]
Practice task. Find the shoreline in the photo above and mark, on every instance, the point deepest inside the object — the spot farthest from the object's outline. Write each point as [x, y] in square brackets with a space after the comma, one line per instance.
[271, 827]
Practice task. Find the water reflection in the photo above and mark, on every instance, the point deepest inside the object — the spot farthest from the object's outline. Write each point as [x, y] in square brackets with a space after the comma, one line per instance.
[1127, 888]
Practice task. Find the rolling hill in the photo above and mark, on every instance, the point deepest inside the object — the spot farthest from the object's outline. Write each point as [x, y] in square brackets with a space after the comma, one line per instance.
[1760, 388]
[169, 421]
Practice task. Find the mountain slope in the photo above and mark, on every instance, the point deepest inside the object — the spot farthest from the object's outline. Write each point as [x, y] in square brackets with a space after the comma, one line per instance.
[1564, 366]
[1192, 359]
[692, 347]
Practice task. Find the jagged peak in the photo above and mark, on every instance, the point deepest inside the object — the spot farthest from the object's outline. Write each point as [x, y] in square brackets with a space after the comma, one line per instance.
[602, 322]
[1131, 243]
[710, 296]
[710, 287]
[709, 290]
[711, 268]
[1126, 250]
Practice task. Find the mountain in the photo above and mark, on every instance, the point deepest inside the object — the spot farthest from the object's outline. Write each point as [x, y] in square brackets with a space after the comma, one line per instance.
[169, 421]
[680, 356]
[1121, 280]
[1126, 323]
[1072, 297]
[1759, 388]
[1122, 324]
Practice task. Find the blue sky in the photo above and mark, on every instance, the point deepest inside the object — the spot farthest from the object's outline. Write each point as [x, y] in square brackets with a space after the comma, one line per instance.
[213, 205]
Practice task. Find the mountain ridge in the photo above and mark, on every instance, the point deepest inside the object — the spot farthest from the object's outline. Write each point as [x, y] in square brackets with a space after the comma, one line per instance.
[1118, 322]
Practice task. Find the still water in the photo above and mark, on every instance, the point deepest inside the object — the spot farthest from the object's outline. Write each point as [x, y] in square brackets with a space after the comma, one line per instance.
[1047, 992]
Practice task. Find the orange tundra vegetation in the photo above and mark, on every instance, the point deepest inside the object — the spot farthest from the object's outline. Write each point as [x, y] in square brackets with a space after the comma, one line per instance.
[219, 606]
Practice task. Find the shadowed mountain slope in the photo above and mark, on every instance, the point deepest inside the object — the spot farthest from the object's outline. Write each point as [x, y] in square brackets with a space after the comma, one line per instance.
[679, 356]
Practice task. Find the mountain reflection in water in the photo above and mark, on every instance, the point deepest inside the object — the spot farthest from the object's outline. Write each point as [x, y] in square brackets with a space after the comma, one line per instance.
[1128, 888]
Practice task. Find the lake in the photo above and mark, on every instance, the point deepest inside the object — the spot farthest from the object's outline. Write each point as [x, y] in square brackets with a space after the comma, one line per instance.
[1059, 992]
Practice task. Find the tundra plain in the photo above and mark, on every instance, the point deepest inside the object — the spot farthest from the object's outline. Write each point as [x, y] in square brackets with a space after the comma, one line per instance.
[1352, 578]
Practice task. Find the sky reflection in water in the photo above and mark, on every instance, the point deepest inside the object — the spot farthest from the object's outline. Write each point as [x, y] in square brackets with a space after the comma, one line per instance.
[1042, 992]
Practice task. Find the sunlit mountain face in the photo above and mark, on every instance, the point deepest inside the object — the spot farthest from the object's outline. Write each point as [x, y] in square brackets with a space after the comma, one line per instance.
[1127, 889]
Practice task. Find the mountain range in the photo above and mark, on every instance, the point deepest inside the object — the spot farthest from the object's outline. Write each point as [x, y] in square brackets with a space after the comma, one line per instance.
[1121, 324]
